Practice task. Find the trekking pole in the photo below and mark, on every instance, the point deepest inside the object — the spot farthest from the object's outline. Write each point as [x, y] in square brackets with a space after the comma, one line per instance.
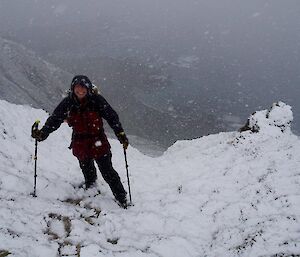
[35, 127]
[126, 164]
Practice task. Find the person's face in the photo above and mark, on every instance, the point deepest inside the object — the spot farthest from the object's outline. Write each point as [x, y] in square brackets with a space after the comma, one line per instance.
[80, 91]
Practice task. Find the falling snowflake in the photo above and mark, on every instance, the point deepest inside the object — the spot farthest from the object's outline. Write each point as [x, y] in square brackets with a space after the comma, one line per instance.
[98, 143]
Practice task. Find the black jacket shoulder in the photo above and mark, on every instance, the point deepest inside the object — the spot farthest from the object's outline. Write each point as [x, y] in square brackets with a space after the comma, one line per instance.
[96, 101]
[107, 112]
[58, 116]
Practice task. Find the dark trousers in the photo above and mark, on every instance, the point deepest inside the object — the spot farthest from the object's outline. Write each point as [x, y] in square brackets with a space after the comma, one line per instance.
[108, 173]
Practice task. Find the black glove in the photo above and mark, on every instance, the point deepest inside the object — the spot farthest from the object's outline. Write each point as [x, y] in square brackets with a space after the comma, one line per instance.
[123, 139]
[39, 135]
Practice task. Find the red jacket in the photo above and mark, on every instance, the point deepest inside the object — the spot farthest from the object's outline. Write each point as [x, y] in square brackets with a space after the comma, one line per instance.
[88, 139]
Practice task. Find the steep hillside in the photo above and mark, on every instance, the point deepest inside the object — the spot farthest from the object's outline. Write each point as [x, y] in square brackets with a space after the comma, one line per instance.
[27, 79]
[228, 194]
[145, 99]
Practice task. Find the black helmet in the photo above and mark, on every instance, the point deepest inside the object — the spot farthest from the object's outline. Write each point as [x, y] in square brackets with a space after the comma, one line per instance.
[83, 81]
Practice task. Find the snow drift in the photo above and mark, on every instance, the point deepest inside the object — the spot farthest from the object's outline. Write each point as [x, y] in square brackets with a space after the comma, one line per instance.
[229, 194]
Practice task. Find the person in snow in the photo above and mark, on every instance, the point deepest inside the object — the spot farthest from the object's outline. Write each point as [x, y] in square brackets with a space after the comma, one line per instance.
[84, 109]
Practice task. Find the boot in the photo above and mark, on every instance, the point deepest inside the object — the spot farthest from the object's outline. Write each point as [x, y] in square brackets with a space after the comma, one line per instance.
[122, 201]
[89, 184]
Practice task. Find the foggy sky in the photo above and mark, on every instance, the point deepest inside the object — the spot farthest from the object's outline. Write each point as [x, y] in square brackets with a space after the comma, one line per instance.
[256, 43]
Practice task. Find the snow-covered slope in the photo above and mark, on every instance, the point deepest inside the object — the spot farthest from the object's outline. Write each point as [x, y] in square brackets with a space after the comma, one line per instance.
[25, 78]
[229, 194]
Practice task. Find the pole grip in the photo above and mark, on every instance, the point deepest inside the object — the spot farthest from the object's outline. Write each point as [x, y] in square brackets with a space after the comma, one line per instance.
[35, 125]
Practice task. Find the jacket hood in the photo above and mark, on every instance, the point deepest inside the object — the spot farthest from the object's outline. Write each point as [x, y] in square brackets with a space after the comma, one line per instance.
[83, 81]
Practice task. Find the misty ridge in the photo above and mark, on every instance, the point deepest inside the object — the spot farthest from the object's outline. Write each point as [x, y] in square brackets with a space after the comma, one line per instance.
[172, 69]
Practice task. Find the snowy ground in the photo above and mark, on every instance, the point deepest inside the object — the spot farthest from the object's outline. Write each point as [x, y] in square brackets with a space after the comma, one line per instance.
[228, 194]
